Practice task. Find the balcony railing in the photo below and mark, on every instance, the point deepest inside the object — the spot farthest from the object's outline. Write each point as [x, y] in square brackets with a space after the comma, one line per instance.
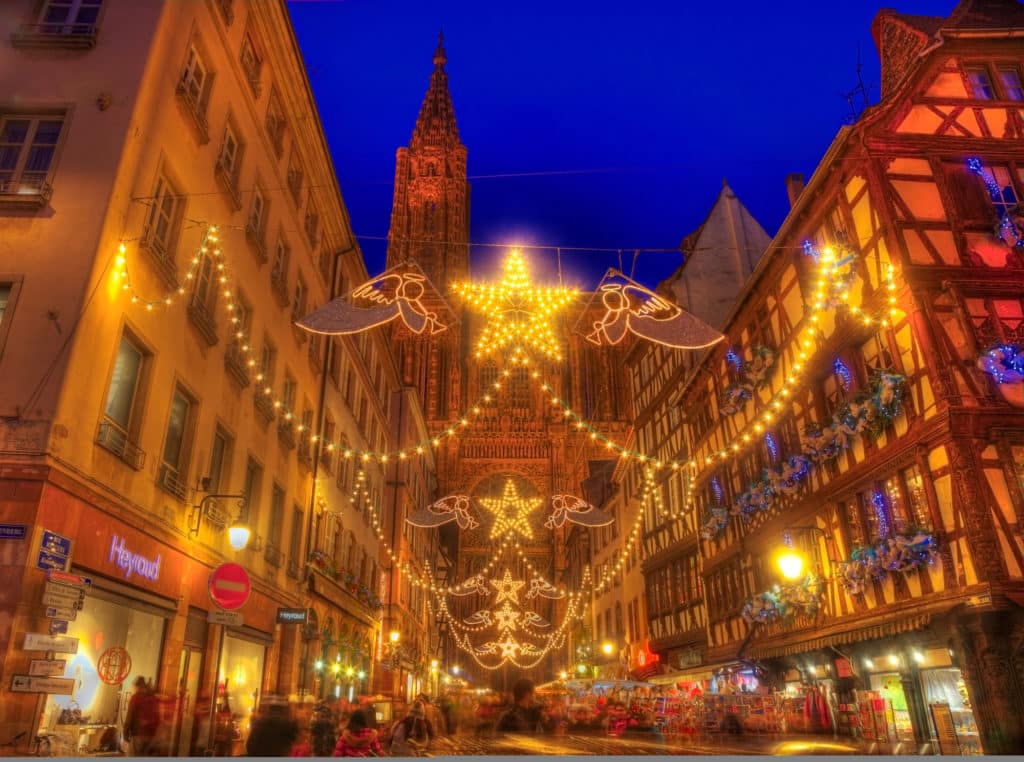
[202, 318]
[196, 111]
[227, 176]
[71, 36]
[116, 441]
[236, 365]
[286, 433]
[171, 482]
[305, 453]
[27, 193]
[264, 405]
[257, 242]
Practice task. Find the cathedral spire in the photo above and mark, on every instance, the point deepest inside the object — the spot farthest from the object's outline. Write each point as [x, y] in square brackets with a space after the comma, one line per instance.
[436, 123]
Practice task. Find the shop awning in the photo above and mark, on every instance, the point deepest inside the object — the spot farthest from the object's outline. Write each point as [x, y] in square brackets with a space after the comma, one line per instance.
[813, 640]
[696, 674]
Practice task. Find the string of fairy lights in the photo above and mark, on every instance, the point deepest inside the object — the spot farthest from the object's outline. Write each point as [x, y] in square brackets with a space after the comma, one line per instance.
[518, 322]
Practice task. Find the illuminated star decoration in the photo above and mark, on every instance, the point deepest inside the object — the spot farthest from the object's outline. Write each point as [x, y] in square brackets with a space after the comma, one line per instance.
[506, 618]
[511, 512]
[508, 588]
[509, 646]
[518, 313]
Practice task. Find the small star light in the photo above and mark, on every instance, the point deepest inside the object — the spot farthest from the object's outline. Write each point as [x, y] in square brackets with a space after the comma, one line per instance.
[508, 588]
[509, 646]
[518, 313]
[511, 512]
[506, 618]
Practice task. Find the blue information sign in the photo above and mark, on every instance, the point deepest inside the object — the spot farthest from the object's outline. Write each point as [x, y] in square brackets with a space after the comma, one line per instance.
[48, 561]
[54, 543]
[58, 627]
[13, 531]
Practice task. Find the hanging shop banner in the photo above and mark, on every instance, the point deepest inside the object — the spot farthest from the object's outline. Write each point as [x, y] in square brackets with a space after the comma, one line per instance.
[291, 616]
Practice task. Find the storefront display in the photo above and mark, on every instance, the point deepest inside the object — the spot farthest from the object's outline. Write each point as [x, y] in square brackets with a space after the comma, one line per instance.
[889, 686]
[118, 643]
[946, 695]
[241, 676]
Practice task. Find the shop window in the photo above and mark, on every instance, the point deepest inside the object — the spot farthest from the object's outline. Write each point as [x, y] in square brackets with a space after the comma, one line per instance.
[240, 679]
[105, 622]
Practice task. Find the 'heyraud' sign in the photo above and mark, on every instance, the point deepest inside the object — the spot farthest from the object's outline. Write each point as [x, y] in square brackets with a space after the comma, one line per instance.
[133, 563]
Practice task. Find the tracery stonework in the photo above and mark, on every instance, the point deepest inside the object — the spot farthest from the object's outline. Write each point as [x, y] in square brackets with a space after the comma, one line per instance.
[520, 433]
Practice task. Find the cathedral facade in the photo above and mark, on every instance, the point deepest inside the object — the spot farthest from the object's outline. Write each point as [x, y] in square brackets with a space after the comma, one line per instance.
[520, 436]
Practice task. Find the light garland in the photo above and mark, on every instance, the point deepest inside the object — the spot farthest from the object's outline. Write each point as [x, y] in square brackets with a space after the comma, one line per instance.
[518, 313]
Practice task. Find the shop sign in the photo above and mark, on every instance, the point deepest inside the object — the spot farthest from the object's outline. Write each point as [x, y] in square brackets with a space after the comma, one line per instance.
[291, 616]
[61, 686]
[230, 586]
[46, 667]
[68, 580]
[689, 658]
[37, 641]
[843, 668]
[133, 563]
[13, 531]
[54, 551]
[114, 665]
[67, 613]
[58, 627]
[226, 618]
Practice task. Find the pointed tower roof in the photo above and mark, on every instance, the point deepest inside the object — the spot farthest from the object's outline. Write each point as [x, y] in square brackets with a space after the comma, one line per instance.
[435, 125]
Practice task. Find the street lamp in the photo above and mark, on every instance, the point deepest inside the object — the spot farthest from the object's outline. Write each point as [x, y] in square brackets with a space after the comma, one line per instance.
[607, 648]
[791, 564]
[238, 529]
[395, 636]
[455, 669]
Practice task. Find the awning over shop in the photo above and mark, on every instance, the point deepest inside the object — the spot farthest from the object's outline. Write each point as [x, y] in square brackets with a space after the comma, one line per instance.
[694, 675]
[814, 640]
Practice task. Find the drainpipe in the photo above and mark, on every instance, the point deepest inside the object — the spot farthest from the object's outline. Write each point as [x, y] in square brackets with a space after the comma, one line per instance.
[320, 415]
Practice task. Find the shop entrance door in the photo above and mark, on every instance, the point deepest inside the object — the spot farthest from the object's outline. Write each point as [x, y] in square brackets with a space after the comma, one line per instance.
[188, 687]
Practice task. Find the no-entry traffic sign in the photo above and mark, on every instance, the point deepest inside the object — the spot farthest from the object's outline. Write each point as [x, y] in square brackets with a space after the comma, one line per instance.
[230, 586]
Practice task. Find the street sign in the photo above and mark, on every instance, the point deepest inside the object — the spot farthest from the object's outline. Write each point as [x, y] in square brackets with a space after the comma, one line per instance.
[13, 531]
[46, 667]
[48, 561]
[37, 641]
[57, 598]
[67, 613]
[64, 591]
[58, 627]
[228, 618]
[61, 686]
[291, 616]
[63, 578]
[230, 586]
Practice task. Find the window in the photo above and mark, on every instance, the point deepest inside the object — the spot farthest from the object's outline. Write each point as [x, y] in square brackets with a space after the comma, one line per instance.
[206, 287]
[251, 487]
[69, 16]
[288, 394]
[123, 393]
[8, 295]
[335, 365]
[996, 321]
[195, 82]
[981, 83]
[220, 462]
[1011, 82]
[230, 153]
[252, 61]
[520, 391]
[177, 426]
[266, 364]
[295, 177]
[275, 123]
[272, 553]
[28, 144]
[299, 304]
[242, 316]
[295, 539]
[279, 269]
[164, 217]
[172, 477]
[5, 298]
[257, 214]
[312, 225]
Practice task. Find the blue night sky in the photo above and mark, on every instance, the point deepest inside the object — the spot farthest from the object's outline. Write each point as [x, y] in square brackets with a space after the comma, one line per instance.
[623, 117]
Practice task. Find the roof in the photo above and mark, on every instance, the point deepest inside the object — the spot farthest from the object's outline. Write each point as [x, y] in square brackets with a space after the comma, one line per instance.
[436, 125]
[977, 15]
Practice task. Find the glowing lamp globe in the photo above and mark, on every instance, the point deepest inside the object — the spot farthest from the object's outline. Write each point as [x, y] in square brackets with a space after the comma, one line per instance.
[238, 536]
[395, 635]
[607, 648]
[791, 565]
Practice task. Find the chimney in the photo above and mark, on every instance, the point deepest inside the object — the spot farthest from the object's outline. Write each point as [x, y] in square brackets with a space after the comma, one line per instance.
[794, 187]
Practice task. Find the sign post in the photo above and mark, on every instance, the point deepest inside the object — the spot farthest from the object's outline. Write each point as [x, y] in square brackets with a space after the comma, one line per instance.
[229, 590]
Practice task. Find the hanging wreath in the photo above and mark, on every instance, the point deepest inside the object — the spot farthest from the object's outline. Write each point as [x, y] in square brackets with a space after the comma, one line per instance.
[902, 553]
[786, 601]
[1004, 362]
[752, 376]
[716, 521]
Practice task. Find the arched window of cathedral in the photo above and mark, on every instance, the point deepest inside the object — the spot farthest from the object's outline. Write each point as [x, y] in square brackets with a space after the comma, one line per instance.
[519, 394]
[488, 376]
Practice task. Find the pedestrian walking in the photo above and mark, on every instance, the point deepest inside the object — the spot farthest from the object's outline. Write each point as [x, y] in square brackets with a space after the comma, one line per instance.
[358, 739]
